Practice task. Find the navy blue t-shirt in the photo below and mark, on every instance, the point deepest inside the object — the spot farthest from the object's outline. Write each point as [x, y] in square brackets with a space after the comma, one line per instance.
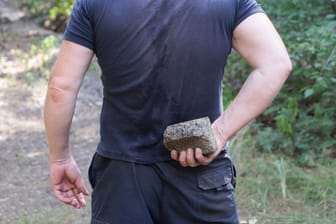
[162, 62]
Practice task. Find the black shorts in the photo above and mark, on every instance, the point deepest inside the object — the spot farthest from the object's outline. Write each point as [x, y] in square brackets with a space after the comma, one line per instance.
[162, 193]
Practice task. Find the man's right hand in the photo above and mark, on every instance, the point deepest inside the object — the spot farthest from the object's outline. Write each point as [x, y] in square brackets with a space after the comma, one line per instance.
[67, 183]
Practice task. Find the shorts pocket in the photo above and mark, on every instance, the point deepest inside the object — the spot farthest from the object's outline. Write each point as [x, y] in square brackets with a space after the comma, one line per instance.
[216, 193]
[90, 172]
[215, 180]
[97, 168]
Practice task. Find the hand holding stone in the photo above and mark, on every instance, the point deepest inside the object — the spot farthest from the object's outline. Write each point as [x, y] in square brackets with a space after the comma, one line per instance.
[192, 143]
[191, 134]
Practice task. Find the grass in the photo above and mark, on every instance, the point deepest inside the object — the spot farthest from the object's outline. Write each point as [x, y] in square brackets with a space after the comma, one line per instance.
[59, 215]
[273, 189]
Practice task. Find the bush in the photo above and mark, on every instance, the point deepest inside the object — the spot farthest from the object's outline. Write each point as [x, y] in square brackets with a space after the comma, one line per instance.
[61, 8]
[55, 12]
[301, 120]
[37, 7]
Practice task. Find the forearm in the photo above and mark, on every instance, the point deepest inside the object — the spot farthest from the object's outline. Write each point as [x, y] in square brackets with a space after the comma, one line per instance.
[64, 84]
[59, 110]
[255, 96]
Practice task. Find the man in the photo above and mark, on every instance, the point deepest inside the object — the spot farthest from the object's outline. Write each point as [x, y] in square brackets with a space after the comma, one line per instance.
[162, 62]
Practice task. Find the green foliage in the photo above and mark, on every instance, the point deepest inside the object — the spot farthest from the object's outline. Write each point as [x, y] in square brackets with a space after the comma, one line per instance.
[283, 170]
[36, 7]
[301, 121]
[37, 60]
[43, 50]
[53, 14]
[61, 8]
[274, 189]
[53, 8]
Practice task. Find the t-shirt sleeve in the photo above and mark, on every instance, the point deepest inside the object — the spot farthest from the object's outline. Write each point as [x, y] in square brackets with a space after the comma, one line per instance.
[246, 8]
[79, 28]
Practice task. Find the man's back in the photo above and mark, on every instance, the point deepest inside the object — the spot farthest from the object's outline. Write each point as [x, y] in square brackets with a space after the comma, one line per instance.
[162, 62]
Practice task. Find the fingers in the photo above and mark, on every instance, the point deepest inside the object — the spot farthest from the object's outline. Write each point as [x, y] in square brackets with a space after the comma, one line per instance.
[205, 160]
[67, 197]
[190, 158]
[81, 186]
[174, 155]
[62, 196]
[80, 191]
[80, 198]
[186, 158]
[179, 156]
[71, 196]
[193, 158]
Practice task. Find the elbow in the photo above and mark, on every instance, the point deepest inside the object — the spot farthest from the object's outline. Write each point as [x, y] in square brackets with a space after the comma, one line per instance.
[285, 66]
[288, 67]
[277, 69]
[281, 67]
[58, 90]
[55, 95]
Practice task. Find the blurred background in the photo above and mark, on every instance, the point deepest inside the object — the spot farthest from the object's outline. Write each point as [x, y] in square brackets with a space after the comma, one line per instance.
[286, 158]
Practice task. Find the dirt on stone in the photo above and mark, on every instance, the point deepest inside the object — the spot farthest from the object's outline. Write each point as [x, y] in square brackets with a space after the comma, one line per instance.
[25, 194]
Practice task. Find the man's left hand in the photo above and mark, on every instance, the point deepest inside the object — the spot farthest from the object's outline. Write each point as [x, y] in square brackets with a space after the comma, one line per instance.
[193, 158]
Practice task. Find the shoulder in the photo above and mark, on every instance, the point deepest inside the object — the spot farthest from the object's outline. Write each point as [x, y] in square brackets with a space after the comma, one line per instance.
[244, 9]
[88, 5]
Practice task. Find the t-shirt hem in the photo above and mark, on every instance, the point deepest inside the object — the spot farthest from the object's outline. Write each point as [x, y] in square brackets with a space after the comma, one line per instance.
[78, 41]
[133, 159]
[252, 12]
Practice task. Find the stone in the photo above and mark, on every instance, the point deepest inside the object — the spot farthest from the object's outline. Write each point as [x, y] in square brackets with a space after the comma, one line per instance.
[193, 134]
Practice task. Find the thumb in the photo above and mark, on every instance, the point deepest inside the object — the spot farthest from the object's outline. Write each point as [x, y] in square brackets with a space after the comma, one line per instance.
[81, 186]
[85, 191]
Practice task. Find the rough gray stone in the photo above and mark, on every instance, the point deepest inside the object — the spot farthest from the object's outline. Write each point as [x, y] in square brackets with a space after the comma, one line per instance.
[190, 134]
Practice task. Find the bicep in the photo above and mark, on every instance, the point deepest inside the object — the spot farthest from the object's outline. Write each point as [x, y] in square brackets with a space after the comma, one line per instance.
[258, 42]
[71, 65]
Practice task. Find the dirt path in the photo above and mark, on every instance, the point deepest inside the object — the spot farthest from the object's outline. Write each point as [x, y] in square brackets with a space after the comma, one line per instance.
[25, 196]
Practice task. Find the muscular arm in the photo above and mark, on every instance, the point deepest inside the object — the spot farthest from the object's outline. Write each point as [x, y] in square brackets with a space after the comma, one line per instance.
[257, 41]
[65, 81]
